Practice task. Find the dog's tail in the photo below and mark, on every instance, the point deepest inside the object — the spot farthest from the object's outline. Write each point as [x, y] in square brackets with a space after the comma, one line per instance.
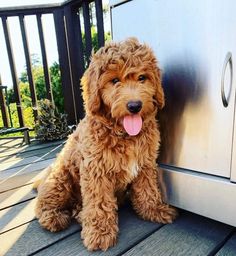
[41, 179]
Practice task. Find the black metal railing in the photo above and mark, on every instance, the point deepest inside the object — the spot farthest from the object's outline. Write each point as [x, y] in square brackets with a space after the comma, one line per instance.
[73, 53]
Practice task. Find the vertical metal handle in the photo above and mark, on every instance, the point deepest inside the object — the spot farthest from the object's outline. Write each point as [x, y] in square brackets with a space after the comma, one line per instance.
[228, 61]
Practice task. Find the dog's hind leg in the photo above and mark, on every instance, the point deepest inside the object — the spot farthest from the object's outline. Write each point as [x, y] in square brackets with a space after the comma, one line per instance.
[147, 200]
[54, 199]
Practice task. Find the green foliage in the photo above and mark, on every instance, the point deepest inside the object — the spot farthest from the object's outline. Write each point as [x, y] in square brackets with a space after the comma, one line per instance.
[40, 86]
[14, 116]
[56, 86]
[38, 75]
[28, 118]
[94, 37]
[1, 120]
[51, 124]
[11, 95]
[25, 94]
[39, 81]
[108, 36]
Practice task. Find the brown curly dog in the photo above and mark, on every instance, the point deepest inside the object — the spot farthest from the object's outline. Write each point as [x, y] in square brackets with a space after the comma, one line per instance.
[114, 146]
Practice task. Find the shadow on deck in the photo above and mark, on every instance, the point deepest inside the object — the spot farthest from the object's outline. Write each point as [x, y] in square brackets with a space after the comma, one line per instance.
[20, 233]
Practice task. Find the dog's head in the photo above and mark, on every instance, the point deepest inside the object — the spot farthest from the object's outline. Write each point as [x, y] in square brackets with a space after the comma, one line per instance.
[123, 82]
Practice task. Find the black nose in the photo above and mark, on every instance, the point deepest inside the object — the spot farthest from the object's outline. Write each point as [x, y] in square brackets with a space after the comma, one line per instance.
[134, 106]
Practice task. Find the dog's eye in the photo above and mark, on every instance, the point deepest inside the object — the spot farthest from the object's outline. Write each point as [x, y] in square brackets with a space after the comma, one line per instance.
[115, 80]
[142, 78]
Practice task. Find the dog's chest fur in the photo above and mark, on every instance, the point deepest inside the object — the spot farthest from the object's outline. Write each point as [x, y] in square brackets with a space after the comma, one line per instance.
[129, 163]
[118, 157]
[134, 169]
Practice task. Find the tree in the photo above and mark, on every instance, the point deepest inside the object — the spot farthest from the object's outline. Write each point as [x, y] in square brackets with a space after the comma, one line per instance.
[40, 87]
[57, 87]
[38, 75]
[25, 94]
[11, 96]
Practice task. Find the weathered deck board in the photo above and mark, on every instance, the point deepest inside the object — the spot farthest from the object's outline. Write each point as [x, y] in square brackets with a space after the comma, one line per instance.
[16, 196]
[28, 164]
[21, 234]
[28, 153]
[132, 230]
[30, 238]
[15, 161]
[190, 234]
[11, 143]
[36, 147]
[229, 249]
[17, 215]
[31, 167]
[11, 150]
[20, 180]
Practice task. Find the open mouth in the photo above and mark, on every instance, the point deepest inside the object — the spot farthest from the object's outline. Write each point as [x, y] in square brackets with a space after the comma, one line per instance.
[132, 124]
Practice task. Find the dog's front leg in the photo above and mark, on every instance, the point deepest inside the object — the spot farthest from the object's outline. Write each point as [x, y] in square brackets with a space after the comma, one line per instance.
[99, 213]
[147, 200]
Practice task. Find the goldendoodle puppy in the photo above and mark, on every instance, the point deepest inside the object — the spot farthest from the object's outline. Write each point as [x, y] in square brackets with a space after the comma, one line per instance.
[114, 146]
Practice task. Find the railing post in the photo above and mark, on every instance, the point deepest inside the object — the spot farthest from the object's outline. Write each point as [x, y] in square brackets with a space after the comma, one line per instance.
[44, 58]
[28, 66]
[13, 70]
[87, 31]
[3, 106]
[100, 24]
[65, 66]
[75, 47]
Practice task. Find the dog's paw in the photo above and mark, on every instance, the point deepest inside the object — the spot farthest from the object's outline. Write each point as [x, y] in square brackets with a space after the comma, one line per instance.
[54, 221]
[98, 240]
[167, 214]
[163, 214]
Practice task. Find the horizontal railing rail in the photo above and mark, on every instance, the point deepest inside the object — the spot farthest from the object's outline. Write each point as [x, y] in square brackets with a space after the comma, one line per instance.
[29, 9]
[72, 23]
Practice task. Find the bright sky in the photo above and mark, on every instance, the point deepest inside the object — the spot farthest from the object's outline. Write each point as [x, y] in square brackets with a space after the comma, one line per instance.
[34, 45]
[33, 39]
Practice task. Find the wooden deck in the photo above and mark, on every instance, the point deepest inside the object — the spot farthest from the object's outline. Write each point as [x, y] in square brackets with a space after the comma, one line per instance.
[20, 233]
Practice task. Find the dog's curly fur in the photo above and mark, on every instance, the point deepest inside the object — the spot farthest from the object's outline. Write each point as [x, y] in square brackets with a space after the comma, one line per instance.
[100, 159]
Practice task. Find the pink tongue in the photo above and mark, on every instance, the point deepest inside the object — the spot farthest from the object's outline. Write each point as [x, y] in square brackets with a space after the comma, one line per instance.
[132, 124]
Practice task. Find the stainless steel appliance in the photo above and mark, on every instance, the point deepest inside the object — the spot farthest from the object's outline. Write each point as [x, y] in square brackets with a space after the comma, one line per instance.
[195, 43]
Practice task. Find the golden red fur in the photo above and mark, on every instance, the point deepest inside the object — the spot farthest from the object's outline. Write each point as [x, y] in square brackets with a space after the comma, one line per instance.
[100, 159]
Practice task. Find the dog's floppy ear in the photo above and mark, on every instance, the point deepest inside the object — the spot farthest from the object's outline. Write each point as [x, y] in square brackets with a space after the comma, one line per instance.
[90, 87]
[159, 96]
